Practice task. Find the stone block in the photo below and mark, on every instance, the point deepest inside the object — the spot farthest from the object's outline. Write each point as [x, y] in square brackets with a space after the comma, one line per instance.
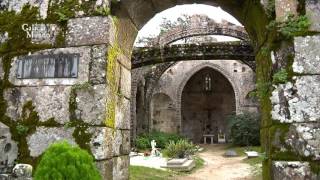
[8, 148]
[117, 142]
[292, 170]
[105, 168]
[297, 102]
[98, 143]
[98, 65]
[313, 13]
[49, 102]
[284, 8]
[121, 168]
[135, 8]
[42, 33]
[303, 138]
[91, 104]
[44, 137]
[17, 5]
[123, 114]
[23, 171]
[125, 82]
[88, 31]
[307, 55]
[83, 68]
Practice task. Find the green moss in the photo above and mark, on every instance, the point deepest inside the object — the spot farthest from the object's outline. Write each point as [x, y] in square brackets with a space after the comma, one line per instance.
[266, 169]
[271, 9]
[292, 26]
[113, 52]
[12, 22]
[315, 167]
[280, 77]
[80, 134]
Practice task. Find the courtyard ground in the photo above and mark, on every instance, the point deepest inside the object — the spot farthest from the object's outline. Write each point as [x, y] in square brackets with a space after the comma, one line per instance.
[217, 167]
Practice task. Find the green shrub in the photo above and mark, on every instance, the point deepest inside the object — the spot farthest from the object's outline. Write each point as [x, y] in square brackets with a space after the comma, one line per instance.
[245, 129]
[179, 149]
[143, 141]
[62, 161]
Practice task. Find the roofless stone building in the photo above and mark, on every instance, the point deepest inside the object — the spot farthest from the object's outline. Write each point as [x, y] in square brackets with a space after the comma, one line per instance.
[65, 74]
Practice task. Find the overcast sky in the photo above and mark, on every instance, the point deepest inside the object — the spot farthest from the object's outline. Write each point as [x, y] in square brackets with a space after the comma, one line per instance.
[216, 13]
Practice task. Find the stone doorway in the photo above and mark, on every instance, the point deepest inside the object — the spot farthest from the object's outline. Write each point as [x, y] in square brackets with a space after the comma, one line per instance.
[207, 99]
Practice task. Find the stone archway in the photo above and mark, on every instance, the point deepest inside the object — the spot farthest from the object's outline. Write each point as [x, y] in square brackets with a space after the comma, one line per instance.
[195, 70]
[290, 113]
[207, 99]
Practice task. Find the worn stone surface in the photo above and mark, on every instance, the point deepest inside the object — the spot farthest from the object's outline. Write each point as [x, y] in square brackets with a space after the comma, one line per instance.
[88, 31]
[284, 8]
[297, 102]
[98, 143]
[42, 33]
[8, 148]
[118, 142]
[313, 13]
[105, 168]
[98, 65]
[91, 104]
[83, 68]
[4, 37]
[44, 137]
[23, 171]
[1, 69]
[125, 82]
[288, 170]
[121, 168]
[123, 114]
[17, 6]
[49, 102]
[307, 56]
[303, 138]
[4, 4]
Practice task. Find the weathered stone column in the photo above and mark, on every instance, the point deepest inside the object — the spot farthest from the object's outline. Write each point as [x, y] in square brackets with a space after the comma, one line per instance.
[292, 131]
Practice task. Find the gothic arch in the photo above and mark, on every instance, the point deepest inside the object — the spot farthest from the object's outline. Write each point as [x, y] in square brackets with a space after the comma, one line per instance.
[197, 68]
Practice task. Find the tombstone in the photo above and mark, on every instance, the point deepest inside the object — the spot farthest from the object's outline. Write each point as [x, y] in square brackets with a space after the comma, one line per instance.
[252, 154]
[180, 164]
[8, 150]
[230, 153]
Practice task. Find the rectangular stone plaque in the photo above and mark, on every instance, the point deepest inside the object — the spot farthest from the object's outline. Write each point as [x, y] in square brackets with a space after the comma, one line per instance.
[48, 66]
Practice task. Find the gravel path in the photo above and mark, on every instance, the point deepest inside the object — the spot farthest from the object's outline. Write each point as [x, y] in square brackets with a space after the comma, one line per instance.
[218, 167]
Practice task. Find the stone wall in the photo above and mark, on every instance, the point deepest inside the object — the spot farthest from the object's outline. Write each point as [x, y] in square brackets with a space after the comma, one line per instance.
[36, 112]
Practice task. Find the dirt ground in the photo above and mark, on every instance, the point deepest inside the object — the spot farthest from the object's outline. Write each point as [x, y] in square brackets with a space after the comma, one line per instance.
[218, 167]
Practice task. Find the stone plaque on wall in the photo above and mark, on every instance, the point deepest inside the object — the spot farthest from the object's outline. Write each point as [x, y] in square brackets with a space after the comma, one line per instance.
[48, 66]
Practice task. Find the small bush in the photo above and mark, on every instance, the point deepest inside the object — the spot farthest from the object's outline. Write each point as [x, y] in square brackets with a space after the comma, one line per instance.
[245, 129]
[62, 161]
[179, 149]
[142, 142]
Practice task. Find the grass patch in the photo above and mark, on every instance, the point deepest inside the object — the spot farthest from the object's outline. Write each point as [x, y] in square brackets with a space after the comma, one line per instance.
[145, 173]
